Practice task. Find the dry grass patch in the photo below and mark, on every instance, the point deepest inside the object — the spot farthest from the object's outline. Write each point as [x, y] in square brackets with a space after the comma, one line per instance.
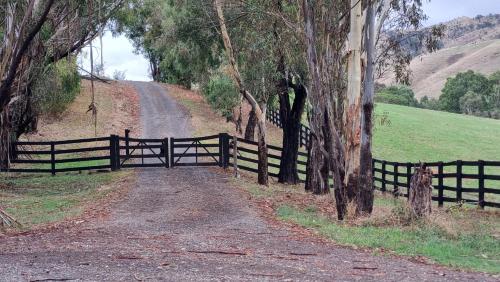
[38, 200]
[117, 106]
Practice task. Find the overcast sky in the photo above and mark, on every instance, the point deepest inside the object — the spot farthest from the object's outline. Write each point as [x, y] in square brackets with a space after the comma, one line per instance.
[118, 55]
[119, 52]
[444, 10]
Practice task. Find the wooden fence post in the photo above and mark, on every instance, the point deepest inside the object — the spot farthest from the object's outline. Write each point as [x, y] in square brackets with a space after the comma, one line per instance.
[226, 150]
[395, 191]
[373, 174]
[127, 142]
[196, 151]
[53, 158]
[384, 164]
[459, 181]
[301, 131]
[221, 149]
[440, 184]
[481, 184]
[112, 152]
[235, 157]
[408, 178]
[117, 150]
[172, 151]
[165, 152]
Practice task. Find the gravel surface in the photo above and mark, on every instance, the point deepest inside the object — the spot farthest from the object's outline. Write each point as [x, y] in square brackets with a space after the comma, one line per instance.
[190, 224]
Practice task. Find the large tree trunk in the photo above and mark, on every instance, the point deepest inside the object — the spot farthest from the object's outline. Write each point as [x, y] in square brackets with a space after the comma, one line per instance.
[8, 75]
[288, 164]
[263, 177]
[352, 115]
[251, 124]
[317, 169]
[155, 69]
[291, 118]
[334, 146]
[4, 140]
[364, 197]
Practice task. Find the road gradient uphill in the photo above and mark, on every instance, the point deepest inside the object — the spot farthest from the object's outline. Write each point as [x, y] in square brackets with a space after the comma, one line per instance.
[189, 224]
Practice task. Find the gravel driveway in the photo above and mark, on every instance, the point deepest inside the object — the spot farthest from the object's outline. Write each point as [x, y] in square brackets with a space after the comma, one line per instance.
[190, 224]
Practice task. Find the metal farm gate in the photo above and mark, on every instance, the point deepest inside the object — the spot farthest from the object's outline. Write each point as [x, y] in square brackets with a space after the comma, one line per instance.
[200, 151]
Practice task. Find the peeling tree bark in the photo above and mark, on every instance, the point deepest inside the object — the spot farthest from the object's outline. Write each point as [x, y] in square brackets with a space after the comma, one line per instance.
[352, 115]
[317, 168]
[364, 196]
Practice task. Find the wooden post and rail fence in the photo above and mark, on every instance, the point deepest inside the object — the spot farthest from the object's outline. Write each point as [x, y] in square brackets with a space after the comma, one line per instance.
[471, 182]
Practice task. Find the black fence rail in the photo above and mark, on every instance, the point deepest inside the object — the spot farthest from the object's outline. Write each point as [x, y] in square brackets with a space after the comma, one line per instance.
[247, 155]
[63, 156]
[273, 116]
[458, 182]
[103, 153]
[472, 182]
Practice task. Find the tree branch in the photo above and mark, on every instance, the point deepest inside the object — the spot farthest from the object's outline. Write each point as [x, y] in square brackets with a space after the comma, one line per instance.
[11, 74]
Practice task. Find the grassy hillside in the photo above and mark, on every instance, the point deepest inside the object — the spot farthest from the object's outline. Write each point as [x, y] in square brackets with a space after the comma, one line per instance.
[468, 43]
[418, 134]
[431, 71]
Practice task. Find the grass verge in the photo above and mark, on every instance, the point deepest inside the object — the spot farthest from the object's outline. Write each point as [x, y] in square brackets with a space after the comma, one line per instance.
[36, 200]
[471, 250]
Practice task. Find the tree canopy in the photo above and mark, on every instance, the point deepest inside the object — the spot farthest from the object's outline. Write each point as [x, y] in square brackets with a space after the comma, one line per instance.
[458, 86]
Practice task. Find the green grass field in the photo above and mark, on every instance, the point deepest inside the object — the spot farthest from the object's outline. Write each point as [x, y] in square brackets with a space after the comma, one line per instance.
[424, 135]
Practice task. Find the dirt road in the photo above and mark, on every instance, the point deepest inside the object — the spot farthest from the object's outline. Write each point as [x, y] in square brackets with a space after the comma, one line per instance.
[190, 224]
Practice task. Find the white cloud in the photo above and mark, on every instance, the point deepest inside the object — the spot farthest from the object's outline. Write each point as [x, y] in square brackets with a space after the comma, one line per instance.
[118, 55]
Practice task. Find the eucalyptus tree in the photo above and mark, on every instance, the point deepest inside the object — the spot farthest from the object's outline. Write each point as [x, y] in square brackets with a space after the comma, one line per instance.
[177, 37]
[292, 80]
[36, 34]
[259, 108]
[348, 42]
[268, 53]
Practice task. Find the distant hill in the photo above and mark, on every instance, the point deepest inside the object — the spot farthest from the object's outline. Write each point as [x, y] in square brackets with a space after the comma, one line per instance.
[469, 43]
[465, 30]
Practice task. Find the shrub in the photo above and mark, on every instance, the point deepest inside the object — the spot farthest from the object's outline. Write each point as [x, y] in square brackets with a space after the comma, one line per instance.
[221, 94]
[57, 87]
[397, 94]
[456, 87]
[472, 103]
[429, 103]
[495, 77]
